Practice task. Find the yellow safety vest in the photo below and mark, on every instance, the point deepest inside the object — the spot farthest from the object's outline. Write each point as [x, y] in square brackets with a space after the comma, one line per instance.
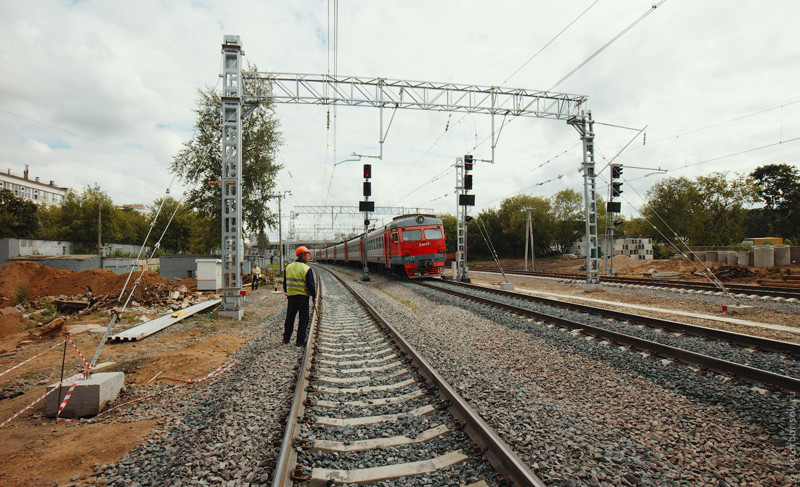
[296, 279]
[257, 271]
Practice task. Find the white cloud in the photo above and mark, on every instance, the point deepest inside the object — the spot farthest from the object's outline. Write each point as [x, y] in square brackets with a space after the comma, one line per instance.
[113, 86]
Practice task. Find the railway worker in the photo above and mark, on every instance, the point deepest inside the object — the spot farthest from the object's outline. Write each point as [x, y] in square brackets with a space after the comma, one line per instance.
[256, 277]
[298, 285]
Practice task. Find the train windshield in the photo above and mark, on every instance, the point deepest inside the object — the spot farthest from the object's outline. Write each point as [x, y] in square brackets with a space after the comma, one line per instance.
[433, 233]
[412, 235]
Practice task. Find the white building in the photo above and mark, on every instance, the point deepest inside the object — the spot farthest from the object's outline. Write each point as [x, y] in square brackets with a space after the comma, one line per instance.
[32, 189]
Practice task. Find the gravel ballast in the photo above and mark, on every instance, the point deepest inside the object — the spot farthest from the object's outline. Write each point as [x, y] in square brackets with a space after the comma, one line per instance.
[582, 413]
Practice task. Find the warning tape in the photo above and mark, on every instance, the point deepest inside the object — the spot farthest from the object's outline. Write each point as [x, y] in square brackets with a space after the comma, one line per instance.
[79, 353]
[219, 371]
[78, 377]
[25, 362]
[67, 396]
[36, 401]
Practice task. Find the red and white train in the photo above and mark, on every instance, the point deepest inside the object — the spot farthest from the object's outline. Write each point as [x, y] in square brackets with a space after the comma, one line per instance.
[411, 246]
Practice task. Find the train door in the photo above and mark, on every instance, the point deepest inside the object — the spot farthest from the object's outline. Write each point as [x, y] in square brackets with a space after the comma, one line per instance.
[387, 250]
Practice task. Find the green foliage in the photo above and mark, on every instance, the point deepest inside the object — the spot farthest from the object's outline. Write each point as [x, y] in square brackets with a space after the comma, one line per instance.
[706, 211]
[779, 189]
[22, 292]
[449, 223]
[568, 218]
[200, 162]
[18, 216]
[181, 221]
[262, 240]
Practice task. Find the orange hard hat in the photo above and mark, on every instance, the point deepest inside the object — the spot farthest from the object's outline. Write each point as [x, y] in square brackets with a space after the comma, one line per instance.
[301, 250]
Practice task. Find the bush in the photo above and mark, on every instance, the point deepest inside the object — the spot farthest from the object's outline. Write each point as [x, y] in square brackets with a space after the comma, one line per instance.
[22, 292]
[663, 251]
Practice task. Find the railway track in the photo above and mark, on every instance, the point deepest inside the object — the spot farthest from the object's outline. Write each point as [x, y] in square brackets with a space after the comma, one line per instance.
[765, 361]
[736, 290]
[369, 409]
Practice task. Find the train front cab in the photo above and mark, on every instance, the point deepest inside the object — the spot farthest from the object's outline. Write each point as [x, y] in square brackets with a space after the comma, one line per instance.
[416, 246]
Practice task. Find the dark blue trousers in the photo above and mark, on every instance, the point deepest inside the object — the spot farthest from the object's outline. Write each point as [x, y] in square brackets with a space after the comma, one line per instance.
[297, 304]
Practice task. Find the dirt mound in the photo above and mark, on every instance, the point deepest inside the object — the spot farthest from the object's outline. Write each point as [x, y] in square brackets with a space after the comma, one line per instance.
[11, 321]
[96, 281]
[40, 280]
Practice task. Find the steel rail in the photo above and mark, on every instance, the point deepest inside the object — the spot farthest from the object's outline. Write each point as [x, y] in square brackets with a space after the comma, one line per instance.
[666, 283]
[762, 343]
[497, 452]
[282, 475]
[786, 383]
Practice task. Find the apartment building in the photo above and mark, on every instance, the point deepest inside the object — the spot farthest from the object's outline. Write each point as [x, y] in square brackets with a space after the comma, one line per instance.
[32, 189]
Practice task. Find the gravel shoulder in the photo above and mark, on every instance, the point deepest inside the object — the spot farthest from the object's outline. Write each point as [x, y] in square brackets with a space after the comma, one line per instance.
[590, 415]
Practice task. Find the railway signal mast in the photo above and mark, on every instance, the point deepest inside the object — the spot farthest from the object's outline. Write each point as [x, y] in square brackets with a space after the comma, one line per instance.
[463, 184]
[612, 208]
[366, 206]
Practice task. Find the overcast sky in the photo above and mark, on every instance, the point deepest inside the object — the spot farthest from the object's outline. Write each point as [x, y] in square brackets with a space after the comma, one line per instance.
[104, 91]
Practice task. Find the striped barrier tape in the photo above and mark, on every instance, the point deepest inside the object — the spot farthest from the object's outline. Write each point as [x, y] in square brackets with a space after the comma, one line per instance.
[67, 396]
[219, 371]
[35, 402]
[63, 404]
[25, 362]
[79, 353]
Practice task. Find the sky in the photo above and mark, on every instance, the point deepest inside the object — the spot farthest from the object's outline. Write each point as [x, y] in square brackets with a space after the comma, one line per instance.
[104, 92]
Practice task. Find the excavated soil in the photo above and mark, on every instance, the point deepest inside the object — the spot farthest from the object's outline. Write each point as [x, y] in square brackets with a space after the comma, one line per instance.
[34, 280]
[38, 451]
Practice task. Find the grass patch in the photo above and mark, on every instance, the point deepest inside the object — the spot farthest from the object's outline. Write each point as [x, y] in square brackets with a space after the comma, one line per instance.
[404, 301]
[22, 292]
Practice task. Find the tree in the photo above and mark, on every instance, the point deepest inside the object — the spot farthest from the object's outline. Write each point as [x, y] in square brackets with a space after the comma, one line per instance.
[512, 221]
[779, 188]
[706, 211]
[449, 223]
[176, 239]
[568, 218]
[199, 163]
[77, 218]
[18, 216]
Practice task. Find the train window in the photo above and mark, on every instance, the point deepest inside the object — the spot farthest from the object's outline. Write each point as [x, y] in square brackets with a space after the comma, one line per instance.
[433, 233]
[412, 235]
[394, 237]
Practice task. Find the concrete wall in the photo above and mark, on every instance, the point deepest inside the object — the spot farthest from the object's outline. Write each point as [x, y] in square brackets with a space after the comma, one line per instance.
[181, 266]
[75, 263]
[15, 247]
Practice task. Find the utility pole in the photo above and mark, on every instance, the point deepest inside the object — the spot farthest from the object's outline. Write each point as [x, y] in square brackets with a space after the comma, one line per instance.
[99, 229]
[529, 233]
[280, 229]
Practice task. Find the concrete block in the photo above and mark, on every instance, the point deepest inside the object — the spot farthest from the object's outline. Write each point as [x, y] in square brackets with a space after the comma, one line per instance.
[782, 255]
[733, 258]
[738, 309]
[506, 286]
[763, 256]
[712, 255]
[698, 256]
[744, 257]
[89, 396]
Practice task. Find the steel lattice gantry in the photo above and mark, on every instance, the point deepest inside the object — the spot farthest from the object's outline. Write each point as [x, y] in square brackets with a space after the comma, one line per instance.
[241, 88]
[322, 89]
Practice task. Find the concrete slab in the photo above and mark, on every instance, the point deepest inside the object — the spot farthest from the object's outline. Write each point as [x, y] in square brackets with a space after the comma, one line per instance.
[506, 286]
[89, 396]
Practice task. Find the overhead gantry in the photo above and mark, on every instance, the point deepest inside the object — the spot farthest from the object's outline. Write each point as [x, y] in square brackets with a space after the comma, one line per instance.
[243, 90]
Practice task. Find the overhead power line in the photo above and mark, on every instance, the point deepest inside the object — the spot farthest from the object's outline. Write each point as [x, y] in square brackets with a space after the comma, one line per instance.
[626, 29]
